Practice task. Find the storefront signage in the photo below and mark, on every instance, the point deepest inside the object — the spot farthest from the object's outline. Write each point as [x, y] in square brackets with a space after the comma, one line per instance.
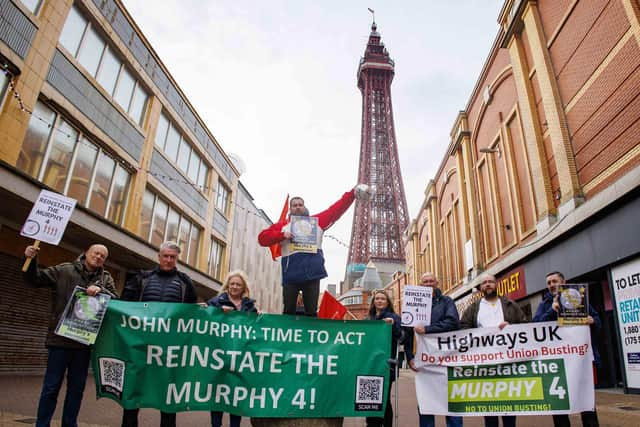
[626, 291]
[512, 284]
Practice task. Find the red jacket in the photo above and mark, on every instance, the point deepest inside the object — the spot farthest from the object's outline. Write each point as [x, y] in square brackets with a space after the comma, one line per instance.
[301, 267]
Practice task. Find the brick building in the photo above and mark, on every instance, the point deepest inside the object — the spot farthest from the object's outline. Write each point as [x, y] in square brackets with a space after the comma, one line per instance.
[542, 172]
[88, 109]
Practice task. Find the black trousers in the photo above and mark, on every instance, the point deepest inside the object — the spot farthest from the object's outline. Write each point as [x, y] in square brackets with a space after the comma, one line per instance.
[310, 291]
[589, 419]
[130, 418]
[387, 421]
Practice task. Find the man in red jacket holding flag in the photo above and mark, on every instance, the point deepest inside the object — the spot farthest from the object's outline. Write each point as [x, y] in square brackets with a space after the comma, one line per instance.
[301, 256]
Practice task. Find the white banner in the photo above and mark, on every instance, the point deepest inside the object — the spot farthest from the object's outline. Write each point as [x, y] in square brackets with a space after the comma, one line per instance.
[416, 305]
[49, 217]
[626, 290]
[528, 369]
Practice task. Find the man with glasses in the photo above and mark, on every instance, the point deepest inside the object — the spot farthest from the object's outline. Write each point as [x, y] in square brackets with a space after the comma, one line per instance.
[548, 311]
[444, 318]
[490, 311]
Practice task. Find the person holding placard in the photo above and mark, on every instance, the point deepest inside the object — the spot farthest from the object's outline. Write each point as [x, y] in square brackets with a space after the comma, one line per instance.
[65, 355]
[548, 311]
[492, 311]
[162, 284]
[233, 296]
[444, 318]
[381, 308]
[300, 239]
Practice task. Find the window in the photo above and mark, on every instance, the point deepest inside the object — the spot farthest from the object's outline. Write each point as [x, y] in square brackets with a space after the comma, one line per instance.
[161, 222]
[4, 83]
[222, 198]
[32, 5]
[61, 157]
[91, 51]
[146, 215]
[179, 150]
[88, 46]
[215, 259]
[35, 142]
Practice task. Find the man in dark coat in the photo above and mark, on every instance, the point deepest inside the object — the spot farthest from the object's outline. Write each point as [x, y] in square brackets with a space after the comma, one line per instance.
[65, 355]
[162, 284]
[444, 318]
[491, 311]
[548, 311]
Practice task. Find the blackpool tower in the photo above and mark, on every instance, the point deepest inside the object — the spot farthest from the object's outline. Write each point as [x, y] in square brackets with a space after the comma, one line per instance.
[376, 234]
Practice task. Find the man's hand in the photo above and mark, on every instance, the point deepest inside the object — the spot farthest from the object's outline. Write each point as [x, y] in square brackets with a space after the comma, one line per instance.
[590, 320]
[287, 235]
[420, 330]
[388, 320]
[226, 308]
[93, 290]
[363, 192]
[31, 251]
[502, 325]
[412, 366]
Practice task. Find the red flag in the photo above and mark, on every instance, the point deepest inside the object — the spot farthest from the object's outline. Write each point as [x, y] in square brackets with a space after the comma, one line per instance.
[331, 308]
[275, 249]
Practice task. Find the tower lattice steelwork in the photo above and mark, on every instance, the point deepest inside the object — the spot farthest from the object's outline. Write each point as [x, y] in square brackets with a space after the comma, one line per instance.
[378, 225]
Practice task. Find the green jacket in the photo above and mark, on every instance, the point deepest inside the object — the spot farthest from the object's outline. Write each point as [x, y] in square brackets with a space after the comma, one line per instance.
[510, 310]
[62, 279]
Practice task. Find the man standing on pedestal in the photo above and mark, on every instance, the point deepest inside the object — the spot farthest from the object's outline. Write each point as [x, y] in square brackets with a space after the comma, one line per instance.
[303, 268]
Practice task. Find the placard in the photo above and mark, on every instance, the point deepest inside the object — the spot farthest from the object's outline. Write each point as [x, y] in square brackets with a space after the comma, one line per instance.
[82, 316]
[49, 217]
[416, 305]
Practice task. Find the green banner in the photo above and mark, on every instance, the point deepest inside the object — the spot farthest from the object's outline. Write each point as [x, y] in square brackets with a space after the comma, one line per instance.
[537, 385]
[182, 357]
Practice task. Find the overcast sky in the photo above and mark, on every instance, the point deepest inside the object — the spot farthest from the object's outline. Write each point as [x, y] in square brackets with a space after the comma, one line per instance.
[275, 82]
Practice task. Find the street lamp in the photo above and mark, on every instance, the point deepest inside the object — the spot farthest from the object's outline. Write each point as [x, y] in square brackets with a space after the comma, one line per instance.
[493, 150]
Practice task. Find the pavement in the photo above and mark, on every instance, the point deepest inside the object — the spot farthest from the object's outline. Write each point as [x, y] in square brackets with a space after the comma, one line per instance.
[19, 400]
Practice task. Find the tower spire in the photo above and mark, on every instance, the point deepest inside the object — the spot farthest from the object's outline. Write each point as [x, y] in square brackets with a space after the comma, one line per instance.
[378, 225]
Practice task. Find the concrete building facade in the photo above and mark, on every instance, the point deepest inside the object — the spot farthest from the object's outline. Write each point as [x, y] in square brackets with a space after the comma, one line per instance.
[89, 110]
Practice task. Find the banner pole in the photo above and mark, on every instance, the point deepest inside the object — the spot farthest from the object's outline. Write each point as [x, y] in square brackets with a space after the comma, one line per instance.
[27, 262]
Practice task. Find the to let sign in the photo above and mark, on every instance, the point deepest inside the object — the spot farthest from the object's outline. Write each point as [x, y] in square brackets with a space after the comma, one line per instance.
[49, 217]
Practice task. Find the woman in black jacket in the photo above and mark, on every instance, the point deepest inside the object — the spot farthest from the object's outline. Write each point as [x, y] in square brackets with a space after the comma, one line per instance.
[381, 308]
[234, 295]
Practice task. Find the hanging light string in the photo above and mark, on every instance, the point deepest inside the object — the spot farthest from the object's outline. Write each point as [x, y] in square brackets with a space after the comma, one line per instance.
[126, 165]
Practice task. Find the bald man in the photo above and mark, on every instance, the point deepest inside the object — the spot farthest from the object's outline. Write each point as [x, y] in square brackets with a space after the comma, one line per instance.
[444, 318]
[65, 355]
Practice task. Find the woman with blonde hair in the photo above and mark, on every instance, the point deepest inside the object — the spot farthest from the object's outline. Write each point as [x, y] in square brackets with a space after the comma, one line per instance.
[381, 308]
[234, 295]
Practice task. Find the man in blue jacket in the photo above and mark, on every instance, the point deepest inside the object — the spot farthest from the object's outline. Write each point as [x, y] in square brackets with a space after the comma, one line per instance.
[444, 318]
[548, 311]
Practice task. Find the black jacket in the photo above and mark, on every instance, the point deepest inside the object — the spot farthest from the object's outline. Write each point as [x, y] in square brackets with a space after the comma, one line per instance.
[444, 318]
[63, 278]
[396, 335]
[159, 286]
[248, 305]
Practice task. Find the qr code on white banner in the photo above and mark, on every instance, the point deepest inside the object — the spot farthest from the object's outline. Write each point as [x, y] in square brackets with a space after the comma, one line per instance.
[369, 393]
[112, 375]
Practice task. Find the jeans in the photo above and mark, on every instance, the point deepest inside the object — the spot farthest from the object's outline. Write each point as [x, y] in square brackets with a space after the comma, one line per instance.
[216, 419]
[507, 421]
[130, 418]
[430, 421]
[75, 362]
[310, 292]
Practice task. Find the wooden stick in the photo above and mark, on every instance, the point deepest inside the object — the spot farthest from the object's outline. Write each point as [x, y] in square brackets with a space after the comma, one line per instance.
[351, 314]
[25, 267]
